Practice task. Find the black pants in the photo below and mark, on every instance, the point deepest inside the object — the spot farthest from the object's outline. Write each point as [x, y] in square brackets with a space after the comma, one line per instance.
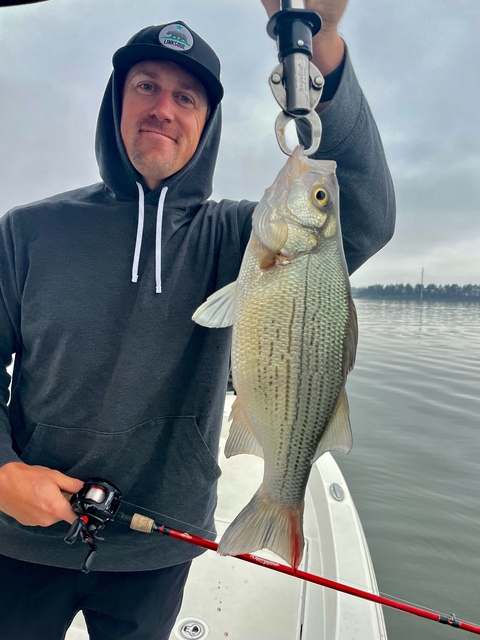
[39, 602]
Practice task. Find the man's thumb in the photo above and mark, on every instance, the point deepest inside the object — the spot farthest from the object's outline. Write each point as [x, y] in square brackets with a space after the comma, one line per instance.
[68, 484]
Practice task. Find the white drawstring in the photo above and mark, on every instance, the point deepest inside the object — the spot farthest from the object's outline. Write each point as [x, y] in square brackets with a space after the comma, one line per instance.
[138, 242]
[158, 242]
[158, 237]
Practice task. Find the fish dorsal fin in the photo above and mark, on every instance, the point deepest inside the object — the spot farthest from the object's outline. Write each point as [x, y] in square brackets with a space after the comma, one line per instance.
[241, 438]
[219, 309]
[338, 434]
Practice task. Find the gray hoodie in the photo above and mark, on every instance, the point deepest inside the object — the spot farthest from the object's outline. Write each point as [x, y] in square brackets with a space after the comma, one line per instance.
[112, 378]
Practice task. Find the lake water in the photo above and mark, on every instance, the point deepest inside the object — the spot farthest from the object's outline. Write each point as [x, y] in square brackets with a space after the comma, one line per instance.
[414, 469]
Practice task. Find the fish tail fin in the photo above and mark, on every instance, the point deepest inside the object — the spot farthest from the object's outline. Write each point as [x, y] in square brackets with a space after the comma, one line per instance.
[264, 524]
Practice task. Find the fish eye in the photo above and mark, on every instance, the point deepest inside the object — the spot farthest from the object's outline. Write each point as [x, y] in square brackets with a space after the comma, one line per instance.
[320, 197]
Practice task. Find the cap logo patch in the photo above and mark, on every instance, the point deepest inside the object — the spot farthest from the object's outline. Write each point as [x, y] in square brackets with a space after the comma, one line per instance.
[176, 36]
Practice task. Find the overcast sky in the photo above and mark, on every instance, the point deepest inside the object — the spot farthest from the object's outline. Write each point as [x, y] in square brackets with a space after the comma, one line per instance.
[417, 62]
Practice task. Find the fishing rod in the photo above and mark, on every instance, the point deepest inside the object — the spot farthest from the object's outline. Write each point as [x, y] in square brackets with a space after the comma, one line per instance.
[99, 502]
[15, 3]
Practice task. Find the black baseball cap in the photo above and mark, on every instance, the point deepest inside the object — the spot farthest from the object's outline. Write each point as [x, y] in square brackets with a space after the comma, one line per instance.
[174, 41]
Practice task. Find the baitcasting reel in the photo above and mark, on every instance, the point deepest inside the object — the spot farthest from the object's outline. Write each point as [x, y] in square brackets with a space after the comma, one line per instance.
[96, 503]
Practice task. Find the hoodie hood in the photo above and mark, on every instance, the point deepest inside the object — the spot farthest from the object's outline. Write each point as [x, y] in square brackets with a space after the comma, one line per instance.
[187, 188]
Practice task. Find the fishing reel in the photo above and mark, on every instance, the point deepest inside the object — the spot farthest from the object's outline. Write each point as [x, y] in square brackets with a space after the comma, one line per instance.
[96, 503]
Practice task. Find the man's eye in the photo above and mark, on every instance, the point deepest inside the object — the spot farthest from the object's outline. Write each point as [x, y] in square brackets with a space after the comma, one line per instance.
[186, 99]
[145, 87]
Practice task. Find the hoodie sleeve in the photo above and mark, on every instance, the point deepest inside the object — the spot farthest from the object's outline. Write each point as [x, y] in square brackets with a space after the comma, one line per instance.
[9, 332]
[351, 138]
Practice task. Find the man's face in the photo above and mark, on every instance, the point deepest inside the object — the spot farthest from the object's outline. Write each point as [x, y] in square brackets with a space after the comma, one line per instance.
[163, 114]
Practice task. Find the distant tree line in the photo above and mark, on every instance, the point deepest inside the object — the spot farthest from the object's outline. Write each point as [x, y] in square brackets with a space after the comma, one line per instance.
[447, 292]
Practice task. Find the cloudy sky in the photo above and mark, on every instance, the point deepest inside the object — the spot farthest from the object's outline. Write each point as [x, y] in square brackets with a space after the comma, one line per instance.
[417, 62]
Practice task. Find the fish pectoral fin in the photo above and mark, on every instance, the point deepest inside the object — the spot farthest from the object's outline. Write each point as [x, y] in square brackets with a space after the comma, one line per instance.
[338, 434]
[219, 309]
[240, 438]
[263, 524]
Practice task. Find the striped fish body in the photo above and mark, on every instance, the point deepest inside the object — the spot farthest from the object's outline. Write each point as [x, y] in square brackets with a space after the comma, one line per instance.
[287, 363]
[294, 340]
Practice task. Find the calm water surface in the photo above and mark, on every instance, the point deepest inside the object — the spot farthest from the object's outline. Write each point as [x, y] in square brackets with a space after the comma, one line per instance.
[414, 470]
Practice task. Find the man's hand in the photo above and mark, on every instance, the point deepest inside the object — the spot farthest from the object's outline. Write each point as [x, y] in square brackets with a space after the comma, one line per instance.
[328, 48]
[331, 11]
[33, 495]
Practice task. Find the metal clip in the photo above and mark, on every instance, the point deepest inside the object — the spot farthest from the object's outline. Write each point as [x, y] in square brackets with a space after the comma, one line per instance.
[306, 95]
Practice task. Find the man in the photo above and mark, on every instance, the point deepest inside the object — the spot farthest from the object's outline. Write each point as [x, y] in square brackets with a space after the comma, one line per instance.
[112, 378]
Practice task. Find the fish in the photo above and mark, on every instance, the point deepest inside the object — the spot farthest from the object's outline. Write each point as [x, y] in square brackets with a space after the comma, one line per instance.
[294, 342]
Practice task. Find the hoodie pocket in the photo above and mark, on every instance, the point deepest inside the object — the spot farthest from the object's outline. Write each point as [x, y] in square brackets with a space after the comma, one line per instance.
[163, 465]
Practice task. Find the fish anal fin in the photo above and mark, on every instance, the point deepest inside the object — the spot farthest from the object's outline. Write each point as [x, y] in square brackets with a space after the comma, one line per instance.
[264, 524]
[218, 310]
[240, 438]
[338, 434]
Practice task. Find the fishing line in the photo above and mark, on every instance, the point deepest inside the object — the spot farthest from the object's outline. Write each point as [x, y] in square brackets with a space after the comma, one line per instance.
[171, 518]
[405, 601]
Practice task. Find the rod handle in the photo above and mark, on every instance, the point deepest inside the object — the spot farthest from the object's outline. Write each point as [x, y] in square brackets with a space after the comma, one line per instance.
[142, 523]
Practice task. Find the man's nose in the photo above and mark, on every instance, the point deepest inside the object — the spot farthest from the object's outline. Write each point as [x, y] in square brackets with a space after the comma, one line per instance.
[163, 106]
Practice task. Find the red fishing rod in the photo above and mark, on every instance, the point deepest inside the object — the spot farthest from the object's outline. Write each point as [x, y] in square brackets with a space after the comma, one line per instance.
[98, 502]
[141, 523]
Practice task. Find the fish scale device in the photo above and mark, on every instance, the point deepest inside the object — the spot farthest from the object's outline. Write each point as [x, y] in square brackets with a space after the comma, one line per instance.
[296, 83]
